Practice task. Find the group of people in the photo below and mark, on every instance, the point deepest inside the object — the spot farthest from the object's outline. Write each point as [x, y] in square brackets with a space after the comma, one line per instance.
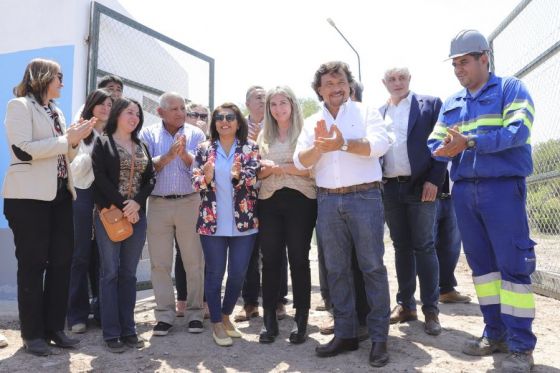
[227, 191]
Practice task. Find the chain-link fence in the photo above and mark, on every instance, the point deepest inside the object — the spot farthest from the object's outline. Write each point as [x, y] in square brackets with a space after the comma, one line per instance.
[149, 64]
[527, 45]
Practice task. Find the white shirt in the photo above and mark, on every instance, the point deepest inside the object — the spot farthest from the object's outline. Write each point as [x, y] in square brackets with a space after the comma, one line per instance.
[338, 168]
[81, 165]
[395, 161]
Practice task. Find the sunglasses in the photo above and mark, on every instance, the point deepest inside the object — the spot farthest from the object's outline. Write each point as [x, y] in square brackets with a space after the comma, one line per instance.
[227, 117]
[60, 76]
[197, 115]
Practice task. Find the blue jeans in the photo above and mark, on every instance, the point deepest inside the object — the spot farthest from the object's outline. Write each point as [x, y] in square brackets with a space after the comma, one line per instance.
[411, 225]
[354, 219]
[78, 299]
[217, 249]
[117, 288]
[447, 243]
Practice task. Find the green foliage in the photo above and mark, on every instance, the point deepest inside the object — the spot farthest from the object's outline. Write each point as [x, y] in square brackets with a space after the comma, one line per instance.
[309, 106]
[543, 205]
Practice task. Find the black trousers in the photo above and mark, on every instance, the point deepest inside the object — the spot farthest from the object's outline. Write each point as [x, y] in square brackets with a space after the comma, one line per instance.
[287, 220]
[44, 239]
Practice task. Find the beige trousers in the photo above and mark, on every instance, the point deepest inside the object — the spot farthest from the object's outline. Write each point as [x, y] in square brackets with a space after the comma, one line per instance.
[167, 219]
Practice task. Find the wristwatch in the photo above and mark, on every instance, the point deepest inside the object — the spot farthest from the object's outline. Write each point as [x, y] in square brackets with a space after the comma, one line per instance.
[344, 146]
[471, 142]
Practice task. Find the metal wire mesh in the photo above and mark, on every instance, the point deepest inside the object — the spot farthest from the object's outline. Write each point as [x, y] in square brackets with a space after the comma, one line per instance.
[149, 64]
[529, 48]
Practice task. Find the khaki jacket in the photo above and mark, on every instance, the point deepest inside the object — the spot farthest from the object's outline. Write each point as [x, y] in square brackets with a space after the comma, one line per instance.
[31, 129]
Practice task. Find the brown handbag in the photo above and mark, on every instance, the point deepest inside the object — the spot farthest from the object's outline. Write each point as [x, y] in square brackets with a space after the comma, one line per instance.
[116, 225]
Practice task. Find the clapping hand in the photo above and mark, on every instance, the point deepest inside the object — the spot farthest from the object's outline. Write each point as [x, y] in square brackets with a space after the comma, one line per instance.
[454, 143]
[327, 141]
[80, 130]
[208, 169]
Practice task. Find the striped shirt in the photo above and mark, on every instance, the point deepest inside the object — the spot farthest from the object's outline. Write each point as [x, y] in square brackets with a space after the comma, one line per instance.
[175, 177]
[254, 128]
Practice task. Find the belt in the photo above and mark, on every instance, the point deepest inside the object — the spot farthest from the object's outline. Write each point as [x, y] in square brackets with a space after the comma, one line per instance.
[398, 179]
[445, 196]
[61, 183]
[173, 196]
[351, 189]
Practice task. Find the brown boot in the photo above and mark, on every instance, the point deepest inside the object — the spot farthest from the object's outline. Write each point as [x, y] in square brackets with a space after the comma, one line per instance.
[249, 311]
[402, 314]
[454, 297]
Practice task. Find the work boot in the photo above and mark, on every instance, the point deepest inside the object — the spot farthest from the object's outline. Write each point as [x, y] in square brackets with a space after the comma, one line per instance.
[518, 362]
[454, 297]
[269, 330]
[484, 347]
[431, 323]
[298, 334]
[402, 314]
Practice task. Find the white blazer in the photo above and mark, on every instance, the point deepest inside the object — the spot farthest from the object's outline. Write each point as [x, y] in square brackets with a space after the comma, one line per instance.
[30, 128]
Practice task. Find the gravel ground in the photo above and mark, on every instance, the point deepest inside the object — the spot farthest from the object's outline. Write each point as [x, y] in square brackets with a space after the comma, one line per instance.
[410, 348]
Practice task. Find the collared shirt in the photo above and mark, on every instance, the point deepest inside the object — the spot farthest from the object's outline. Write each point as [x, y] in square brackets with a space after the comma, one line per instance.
[224, 194]
[175, 177]
[254, 128]
[338, 168]
[395, 161]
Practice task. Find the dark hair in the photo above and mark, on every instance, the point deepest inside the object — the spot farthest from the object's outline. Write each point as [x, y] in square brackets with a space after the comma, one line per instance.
[38, 74]
[242, 127]
[118, 107]
[357, 89]
[95, 98]
[477, 55]
[104, 82]
[333, 67]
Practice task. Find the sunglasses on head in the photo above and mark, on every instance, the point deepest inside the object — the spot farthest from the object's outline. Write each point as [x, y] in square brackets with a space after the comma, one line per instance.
[197, 115]
[227, 117]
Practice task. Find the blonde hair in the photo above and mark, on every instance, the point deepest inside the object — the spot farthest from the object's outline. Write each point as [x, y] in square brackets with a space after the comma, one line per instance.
[270, 131]
[38, 74]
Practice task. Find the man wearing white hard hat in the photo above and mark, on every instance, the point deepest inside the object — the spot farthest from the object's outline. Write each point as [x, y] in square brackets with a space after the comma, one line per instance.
[485, 129]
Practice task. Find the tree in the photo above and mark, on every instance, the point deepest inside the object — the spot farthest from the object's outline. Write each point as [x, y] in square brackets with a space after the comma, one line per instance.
[309, 106]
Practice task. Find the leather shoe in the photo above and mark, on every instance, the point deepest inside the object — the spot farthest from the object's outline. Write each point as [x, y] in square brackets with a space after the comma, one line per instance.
[249, 311]
[402, 314]
[378, 355]
[37, 347]
[60, 339]
[431, 323]
[337, 346]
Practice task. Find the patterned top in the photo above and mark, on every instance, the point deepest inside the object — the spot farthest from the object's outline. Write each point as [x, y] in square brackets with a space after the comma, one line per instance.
[281, 154]
[245, 193]
[254, 128]
[62, 167]
[140, 164]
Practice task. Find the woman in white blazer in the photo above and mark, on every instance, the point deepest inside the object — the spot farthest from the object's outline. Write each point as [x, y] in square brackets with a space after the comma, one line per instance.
[38, 194]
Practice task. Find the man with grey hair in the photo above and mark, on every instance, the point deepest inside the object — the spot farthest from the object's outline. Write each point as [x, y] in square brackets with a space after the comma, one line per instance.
[412, 178]
[173, 211]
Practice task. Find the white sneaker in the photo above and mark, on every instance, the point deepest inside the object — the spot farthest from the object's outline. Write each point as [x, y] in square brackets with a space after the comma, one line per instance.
[3, 340]
[78, 328]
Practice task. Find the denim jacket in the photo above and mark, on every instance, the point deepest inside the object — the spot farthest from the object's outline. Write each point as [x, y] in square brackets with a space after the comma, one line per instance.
[245, 189]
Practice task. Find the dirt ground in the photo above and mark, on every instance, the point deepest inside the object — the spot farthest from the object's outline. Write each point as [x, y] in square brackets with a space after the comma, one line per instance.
[411, 349]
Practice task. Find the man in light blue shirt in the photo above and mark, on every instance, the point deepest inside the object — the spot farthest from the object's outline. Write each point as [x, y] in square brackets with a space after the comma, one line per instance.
[172, 212]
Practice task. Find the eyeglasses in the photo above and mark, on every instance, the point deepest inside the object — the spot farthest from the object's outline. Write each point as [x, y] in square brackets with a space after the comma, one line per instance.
[60, 76]
[227, 117]
[197, 115]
